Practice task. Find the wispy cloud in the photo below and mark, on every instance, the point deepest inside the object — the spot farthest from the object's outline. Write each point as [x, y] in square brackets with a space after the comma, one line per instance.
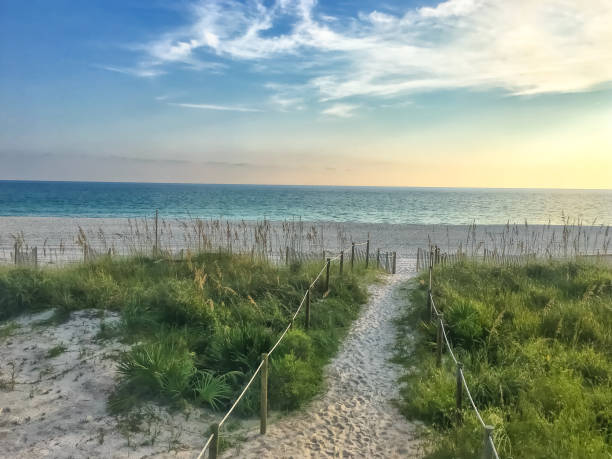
[145, 72]
[341, 110]
[227, 108]
[523, 46]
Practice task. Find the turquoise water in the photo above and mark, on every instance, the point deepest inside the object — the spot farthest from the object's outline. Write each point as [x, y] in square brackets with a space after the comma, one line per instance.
[354, 204]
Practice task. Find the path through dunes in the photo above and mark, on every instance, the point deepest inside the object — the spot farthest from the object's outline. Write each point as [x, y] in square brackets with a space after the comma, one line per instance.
[355, 417]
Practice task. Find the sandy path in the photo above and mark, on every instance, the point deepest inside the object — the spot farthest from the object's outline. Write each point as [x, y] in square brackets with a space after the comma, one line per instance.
[355, 417]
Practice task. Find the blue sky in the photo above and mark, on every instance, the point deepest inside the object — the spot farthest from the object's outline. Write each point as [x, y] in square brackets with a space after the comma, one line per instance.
[421, 93]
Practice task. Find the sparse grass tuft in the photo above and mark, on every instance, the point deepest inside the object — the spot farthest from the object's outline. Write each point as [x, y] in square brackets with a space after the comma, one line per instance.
[56, 351]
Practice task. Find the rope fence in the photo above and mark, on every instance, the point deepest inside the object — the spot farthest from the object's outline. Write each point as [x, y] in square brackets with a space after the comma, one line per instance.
[489, 450]
[212, 443]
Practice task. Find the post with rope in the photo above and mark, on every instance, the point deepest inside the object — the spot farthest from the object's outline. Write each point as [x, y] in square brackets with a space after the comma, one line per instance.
[367, 253]
[459, 392]
[352, 255]
[214, 445]
[156, 246]
[341, 261]
[308, 308]
[394, 262]
[439, 341]
[487, 449]
[263, 415]
[327, 274]
[429, 302]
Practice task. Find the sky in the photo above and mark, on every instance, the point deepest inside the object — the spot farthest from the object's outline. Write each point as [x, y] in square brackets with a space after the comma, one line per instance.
[459, 93]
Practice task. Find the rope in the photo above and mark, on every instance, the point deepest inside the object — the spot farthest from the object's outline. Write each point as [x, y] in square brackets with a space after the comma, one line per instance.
[317, 278]
[241, 394]
[493, 448]
[279, 340]
[205, 446]
[467, 390]
[300, 306]
[448, 346]
[361, 243]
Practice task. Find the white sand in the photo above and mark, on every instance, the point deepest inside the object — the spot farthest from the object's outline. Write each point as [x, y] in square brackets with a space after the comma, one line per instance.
[57, 408]
[355, 417]
[55, 236]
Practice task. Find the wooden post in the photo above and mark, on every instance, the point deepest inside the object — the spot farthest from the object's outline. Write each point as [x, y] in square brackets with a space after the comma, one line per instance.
[394, 262]
[213, 449]
[16, 248]
[308, 308]
[387, 261]
[287, 255]
[418, 268]
[459, 392]
[263, 415]
[327, 275]
[439, 340]
[431, 313]
[341, 261]
[487, 450]
[367, 253]
[155, 248]
[352, 255]
[377, 258]
[35, 256]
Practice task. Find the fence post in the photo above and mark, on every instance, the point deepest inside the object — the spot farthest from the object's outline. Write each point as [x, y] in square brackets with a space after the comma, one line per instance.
[387, 261]
[439, 340]
[263, 416]
[394, 262]
[155, 248]
[352, 255]
[367, 253]
[35, 256]
[377, 258]
[459, 392]
[213, 450]
[341, 261]
[487, 451]
[418, 256]
[429, 288]
[287, 255]
[308, 308]
[327, 275]
[16, 248]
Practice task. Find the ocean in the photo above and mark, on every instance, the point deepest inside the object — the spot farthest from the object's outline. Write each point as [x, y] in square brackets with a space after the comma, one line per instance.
[458, 206]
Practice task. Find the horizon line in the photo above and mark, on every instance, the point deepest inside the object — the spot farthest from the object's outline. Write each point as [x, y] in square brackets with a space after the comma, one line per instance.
[304, 185]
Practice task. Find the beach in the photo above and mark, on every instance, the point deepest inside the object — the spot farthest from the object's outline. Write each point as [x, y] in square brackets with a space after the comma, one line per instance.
[57, 237]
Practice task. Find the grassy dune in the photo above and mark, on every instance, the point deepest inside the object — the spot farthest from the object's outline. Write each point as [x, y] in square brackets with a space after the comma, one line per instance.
[199, 325]
[536, 343]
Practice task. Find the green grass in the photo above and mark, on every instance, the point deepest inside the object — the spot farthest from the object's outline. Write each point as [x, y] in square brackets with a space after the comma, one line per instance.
[56, 351]
[200, 325]
[536, 343]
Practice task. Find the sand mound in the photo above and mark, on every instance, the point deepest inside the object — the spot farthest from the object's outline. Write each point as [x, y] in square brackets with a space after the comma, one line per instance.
[53, 404]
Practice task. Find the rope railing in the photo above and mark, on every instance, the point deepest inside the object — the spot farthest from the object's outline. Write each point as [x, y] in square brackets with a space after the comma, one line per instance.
[489, 450]
[212, 444]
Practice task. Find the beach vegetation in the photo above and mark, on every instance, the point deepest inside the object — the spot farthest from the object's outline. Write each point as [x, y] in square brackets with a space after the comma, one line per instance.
[196, 326]
[536, 344]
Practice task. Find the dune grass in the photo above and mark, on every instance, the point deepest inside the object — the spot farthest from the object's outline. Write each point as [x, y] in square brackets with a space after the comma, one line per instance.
[199, 325]
[536, 344]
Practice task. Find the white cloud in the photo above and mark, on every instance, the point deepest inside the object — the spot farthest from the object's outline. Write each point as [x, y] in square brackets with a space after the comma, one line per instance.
[144, 72]
[521, 46]
[225, 108]
[341, 110]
